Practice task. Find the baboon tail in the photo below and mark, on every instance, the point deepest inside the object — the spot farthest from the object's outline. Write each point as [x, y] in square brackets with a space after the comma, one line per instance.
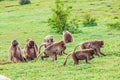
[66, 59]
[3, 63]
[39, 55]
[76, 47]
[40, 48]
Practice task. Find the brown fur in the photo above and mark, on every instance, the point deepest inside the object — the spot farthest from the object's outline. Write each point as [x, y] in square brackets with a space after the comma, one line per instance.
[53, 50]
[47, 41]
[96, 45]
[86, 54]
[36, 47]
[67, 37]
[30, 50]
[15, 53]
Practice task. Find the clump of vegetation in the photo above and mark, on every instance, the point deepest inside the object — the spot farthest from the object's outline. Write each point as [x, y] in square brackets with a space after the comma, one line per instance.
[89, 21]
[22, 2]
[115, 25]
[60, 19]
[116, 17]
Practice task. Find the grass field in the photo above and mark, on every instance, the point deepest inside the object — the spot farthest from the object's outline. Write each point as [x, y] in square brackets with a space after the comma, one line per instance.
[29, 21]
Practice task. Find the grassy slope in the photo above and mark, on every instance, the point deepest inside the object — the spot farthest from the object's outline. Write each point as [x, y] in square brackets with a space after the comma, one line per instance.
[29, 21]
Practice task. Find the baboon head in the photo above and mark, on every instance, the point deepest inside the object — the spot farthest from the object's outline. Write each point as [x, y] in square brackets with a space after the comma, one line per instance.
[15, 43]
[48, 39]
[62, 43]
[67, 37]
[31, 43]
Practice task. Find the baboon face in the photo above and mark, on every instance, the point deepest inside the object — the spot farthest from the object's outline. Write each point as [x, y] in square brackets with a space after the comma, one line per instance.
[15, 43]
[48, 39]
[31, 43]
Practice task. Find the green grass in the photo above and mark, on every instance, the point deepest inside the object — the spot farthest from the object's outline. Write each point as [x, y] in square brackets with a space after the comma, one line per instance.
[29, 21]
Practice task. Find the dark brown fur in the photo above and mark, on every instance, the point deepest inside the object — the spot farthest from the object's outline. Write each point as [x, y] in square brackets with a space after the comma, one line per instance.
[86, 54]
[35, 45]
[15, 53]
[53, 50]
[96, 45]
[67, 37]
[30, 51]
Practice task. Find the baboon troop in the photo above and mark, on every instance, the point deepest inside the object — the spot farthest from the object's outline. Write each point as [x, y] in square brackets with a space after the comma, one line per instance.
[88, 49]
[54, 48]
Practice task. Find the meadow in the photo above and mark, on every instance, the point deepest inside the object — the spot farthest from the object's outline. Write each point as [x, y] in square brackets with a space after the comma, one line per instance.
[30, 21]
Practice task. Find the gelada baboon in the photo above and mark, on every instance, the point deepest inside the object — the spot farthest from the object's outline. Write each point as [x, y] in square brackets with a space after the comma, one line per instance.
[85, 54]
[53, 50]
[67, 37]
[96, 45]
[35, 45]
[47, 41]
[15, 53]
[30, 51]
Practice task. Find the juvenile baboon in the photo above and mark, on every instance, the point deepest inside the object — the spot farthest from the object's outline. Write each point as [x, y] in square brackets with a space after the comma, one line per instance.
[30, 51]
[85, 54]
[15, 53]
[53, 50]
[47, 41]
[96, 45]
[67, 37]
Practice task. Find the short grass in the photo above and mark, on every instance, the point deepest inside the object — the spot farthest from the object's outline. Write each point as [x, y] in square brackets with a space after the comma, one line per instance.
[29, 21]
